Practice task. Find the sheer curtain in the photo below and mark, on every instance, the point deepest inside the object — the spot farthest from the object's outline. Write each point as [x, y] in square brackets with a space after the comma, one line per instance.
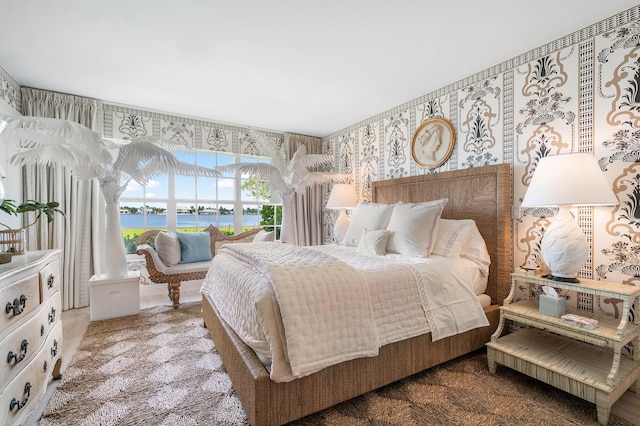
[79, 233]
[306, 208]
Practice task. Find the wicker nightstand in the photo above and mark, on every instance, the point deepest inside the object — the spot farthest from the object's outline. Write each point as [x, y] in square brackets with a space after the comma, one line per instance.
[585, 363]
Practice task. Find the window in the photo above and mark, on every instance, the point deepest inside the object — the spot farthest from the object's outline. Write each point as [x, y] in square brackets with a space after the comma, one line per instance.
[187, 203]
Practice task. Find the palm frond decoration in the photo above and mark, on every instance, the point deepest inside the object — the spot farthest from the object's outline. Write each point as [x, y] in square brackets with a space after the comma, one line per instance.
[88, 155]
[284, 178]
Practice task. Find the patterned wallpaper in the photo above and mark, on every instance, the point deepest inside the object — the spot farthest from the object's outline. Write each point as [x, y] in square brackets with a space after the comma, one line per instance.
[578, 93]
[10, 90]
[124, 122]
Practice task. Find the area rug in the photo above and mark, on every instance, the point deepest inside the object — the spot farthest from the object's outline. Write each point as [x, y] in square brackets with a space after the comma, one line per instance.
[161, 368]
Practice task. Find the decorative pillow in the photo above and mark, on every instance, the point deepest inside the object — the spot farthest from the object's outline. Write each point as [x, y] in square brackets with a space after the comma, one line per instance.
[194, 246]
[373, 216]
[374, 242]
[476, 250]
[264, 236]
[168, 248]
[452, 236]
[414, 227]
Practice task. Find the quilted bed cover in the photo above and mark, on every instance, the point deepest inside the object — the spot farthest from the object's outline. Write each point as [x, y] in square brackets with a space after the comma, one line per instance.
[302, 309]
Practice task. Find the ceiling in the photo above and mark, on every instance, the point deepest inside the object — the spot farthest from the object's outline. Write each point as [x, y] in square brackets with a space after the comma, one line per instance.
[302, 66]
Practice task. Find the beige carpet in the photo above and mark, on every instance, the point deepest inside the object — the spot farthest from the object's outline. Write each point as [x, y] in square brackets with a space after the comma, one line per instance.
[161, 368]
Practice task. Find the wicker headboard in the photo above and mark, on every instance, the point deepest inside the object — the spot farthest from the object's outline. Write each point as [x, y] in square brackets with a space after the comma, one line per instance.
[482, 194]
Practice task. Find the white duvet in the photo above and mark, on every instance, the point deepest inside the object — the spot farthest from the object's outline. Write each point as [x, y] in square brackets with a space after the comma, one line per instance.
[302, 309]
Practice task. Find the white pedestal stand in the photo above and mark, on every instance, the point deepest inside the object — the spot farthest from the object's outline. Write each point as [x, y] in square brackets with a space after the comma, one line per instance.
[114, 297]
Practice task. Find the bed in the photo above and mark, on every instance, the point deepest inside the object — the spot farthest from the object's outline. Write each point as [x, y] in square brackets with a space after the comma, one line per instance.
[482, 194]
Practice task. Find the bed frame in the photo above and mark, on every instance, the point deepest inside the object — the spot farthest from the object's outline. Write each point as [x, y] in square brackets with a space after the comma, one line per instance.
[482, 194]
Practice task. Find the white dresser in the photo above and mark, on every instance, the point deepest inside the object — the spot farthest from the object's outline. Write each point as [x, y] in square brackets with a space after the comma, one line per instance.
[30, 332]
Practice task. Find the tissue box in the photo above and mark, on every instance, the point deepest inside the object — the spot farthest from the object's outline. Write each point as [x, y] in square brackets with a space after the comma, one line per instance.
[552, 306]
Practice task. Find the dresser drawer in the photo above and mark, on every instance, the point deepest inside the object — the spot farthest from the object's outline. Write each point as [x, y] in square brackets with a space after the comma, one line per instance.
[21, 346]
[24, 392]
[53, 354]
[17, 301]
[50, 279]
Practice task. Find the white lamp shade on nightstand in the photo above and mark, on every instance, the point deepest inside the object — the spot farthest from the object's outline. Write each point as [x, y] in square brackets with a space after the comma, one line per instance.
[343, 196]
[564, 180]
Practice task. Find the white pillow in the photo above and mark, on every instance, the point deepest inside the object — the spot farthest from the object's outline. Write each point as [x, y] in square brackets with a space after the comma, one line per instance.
[168, 248]
[414, 227]
[452, 236]
[374, 242]
[263, 236]
[373, 216]
[476, 250]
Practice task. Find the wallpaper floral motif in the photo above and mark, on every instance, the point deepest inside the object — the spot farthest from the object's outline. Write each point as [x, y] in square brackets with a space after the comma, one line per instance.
[369, 160]
[618, 150]
[127, 123]
[10, 90]
[480, 130]
[545, 105]
[578, 93]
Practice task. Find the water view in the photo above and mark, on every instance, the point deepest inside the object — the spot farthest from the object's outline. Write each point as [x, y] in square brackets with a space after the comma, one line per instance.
[159, 221]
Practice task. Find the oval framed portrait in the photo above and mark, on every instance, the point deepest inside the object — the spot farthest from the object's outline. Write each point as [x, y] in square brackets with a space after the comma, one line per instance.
[433, 142]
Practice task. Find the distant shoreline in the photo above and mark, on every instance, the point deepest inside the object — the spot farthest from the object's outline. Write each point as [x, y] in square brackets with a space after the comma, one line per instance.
[159, 221]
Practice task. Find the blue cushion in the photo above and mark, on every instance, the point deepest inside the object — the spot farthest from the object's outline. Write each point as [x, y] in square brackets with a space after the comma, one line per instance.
[194, 246]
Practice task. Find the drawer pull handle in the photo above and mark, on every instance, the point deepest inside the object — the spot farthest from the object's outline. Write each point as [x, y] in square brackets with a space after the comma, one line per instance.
[50, 281]
[15, 357]
[52, 315]
[45, 366]
[54, 348]
[41, 330]
[17, 306]
[19, 404]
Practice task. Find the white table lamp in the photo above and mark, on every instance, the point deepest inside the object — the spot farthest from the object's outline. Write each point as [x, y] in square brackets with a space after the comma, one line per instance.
[343, 196]
[564, 180]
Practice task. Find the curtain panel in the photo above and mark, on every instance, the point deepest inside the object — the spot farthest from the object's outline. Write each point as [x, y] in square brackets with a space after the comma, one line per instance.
[79, 234]
[306, 208]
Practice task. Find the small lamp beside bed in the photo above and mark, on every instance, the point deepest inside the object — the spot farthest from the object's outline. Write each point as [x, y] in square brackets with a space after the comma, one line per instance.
[343, 196]
[565, 180]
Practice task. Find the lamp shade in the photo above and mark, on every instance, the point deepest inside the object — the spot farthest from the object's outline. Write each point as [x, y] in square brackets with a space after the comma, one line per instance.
[565, 180]
[343, 196]
[569, 179]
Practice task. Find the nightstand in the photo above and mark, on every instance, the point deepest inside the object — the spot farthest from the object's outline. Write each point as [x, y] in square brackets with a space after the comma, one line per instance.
[586, 363]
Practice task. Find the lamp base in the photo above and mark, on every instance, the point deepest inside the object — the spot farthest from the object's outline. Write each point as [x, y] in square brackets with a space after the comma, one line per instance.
[561, 279]
[341, 226]
[564, 247]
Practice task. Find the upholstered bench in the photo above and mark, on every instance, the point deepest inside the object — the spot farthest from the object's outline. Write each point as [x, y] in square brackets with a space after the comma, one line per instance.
[175, 272]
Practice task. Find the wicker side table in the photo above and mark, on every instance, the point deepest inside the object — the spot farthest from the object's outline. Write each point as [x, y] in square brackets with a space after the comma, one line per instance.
[585, 363]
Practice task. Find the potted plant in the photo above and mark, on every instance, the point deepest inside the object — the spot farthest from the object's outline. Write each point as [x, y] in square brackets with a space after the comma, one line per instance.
[12, 240]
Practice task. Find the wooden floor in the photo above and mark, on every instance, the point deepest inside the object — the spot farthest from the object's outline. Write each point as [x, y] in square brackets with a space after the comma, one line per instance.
[76, 321]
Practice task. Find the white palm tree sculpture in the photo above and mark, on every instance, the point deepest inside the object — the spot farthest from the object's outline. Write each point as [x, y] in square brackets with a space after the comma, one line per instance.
[88, 155]
[286, 179]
